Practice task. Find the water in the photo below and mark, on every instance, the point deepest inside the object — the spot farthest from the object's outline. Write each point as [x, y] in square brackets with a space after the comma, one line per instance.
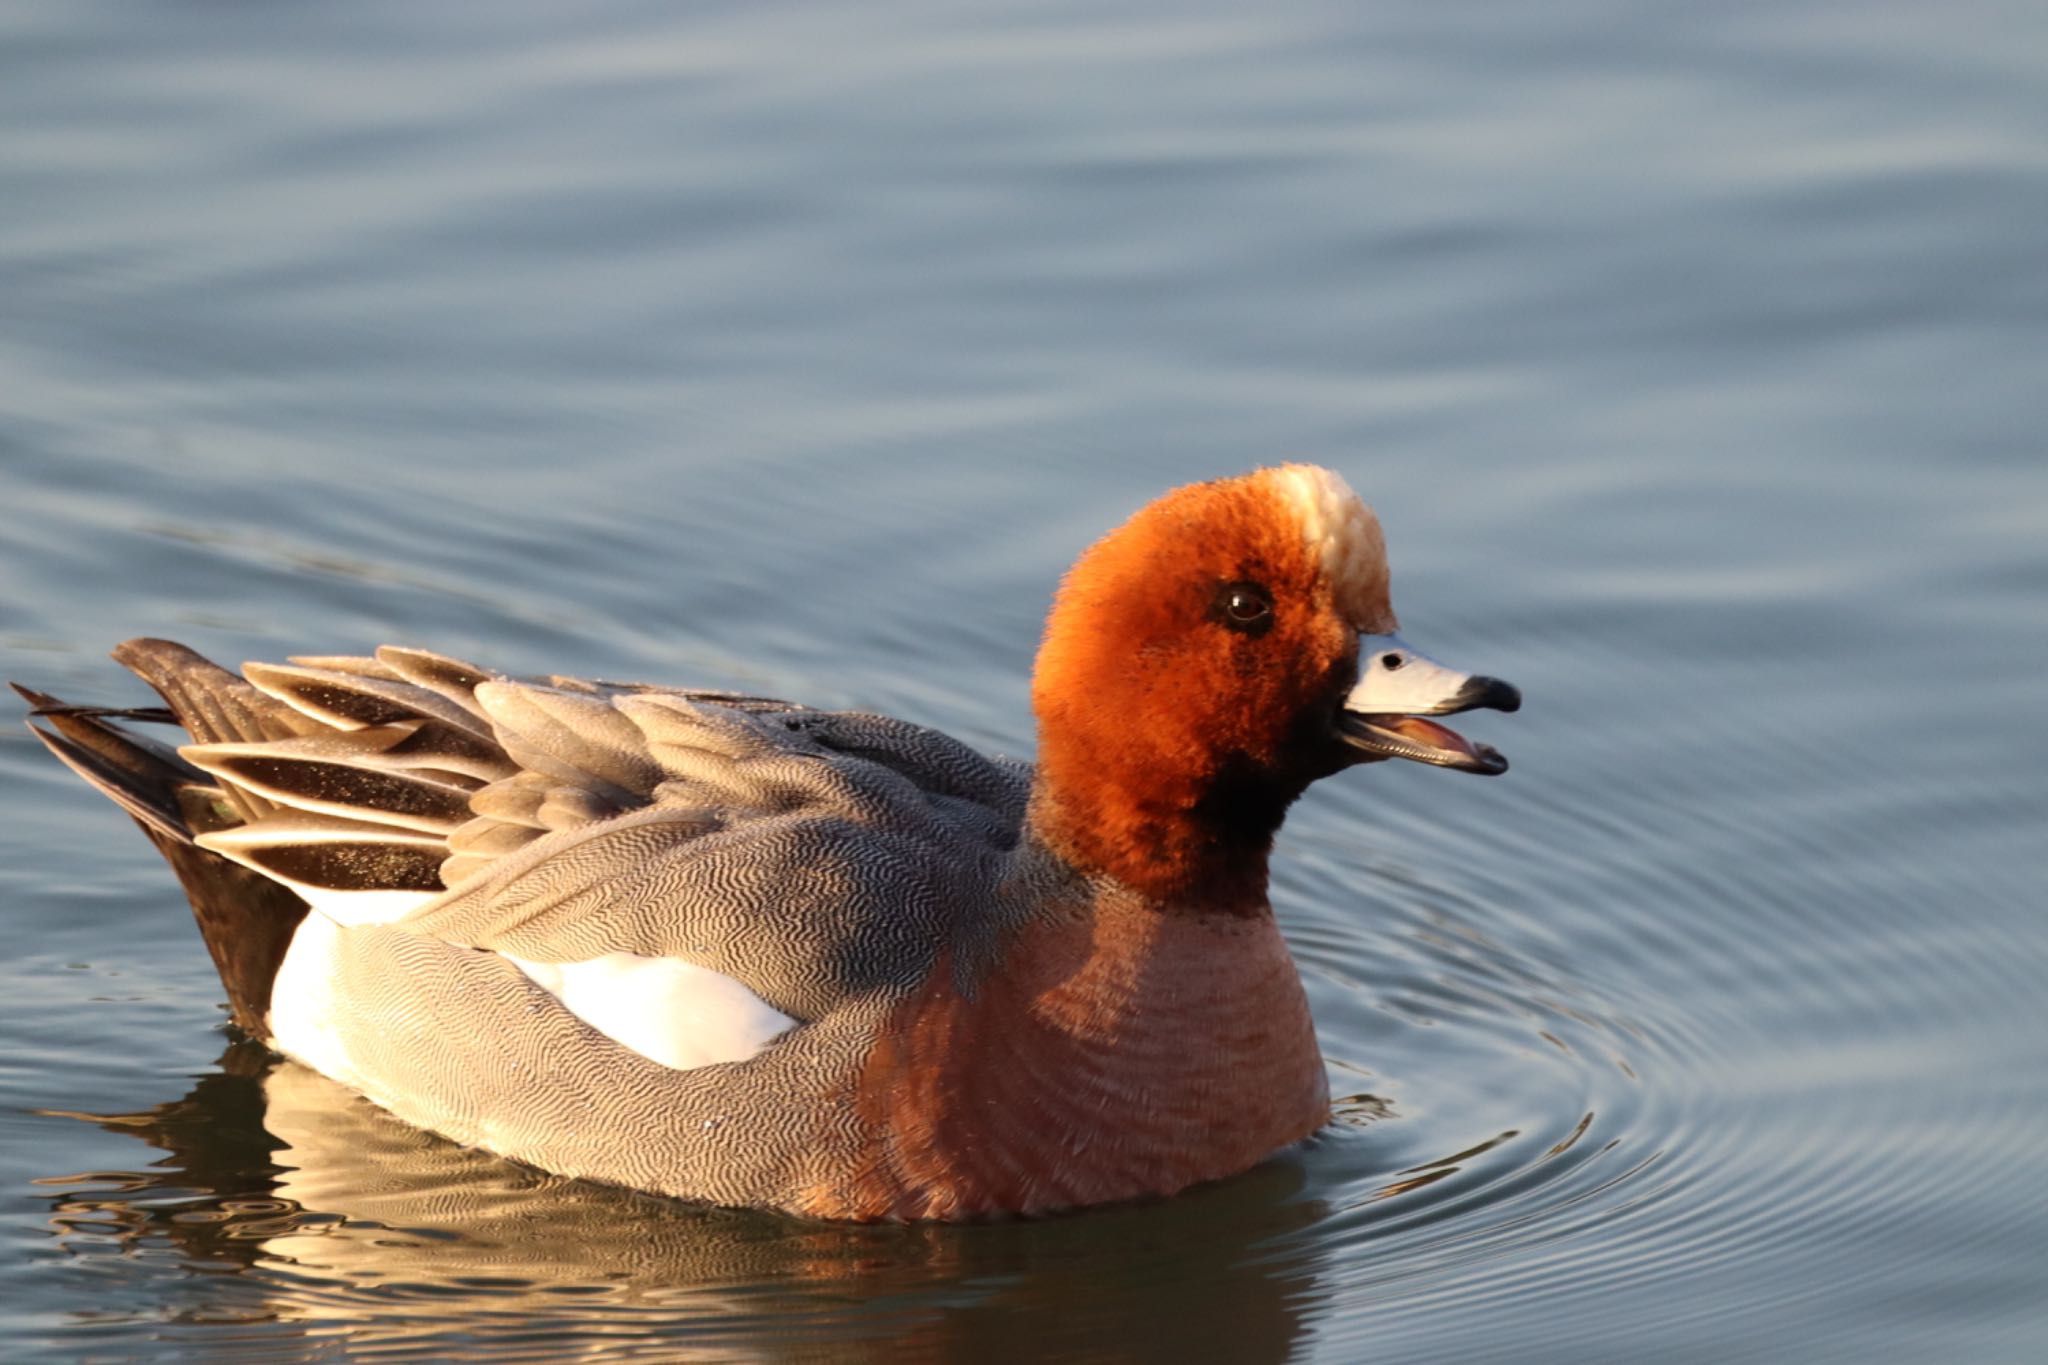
[1691, 355]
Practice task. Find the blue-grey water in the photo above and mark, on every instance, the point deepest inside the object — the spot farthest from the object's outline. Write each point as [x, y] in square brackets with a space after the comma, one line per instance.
[1692, 354]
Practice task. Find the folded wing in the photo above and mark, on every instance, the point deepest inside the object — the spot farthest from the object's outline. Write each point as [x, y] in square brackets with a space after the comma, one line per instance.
[690, 872]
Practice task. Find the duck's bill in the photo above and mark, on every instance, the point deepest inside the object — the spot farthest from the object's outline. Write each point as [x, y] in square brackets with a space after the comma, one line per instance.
[1385, 715]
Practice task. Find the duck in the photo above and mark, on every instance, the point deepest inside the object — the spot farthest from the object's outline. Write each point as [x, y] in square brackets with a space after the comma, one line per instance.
[737, 950]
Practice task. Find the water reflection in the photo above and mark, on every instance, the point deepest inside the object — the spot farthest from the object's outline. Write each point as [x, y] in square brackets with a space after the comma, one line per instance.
[308, 1210]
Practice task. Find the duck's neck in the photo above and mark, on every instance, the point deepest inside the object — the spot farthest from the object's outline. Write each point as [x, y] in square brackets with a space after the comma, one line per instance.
[1187, 841]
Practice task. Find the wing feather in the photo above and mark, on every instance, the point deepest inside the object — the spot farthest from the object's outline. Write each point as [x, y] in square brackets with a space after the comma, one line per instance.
[349, 701]
[571, 737]
[449, 678]
[325, 778]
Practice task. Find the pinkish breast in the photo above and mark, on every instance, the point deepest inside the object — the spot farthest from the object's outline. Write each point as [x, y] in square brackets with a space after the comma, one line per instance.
[1112, 1053]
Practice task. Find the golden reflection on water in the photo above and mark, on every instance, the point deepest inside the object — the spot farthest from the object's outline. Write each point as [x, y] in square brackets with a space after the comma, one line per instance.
[309, 1208]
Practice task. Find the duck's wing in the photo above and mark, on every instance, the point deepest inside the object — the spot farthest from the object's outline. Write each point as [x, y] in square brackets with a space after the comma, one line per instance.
[805, 854]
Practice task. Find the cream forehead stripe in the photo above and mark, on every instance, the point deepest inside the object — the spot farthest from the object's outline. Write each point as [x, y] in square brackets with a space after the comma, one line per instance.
[1343, 532]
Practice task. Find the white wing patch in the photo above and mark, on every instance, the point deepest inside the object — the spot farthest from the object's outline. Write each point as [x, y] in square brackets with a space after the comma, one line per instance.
[667, 1010]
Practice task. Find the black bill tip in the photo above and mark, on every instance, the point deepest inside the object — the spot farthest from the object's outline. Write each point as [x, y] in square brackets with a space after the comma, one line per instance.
[1486, 694]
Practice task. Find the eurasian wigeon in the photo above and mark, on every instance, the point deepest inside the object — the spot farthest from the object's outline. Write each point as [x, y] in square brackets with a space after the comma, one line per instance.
[738, 950]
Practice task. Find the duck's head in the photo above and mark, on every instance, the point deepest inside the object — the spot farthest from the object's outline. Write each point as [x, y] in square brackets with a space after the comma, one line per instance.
[1207, 660]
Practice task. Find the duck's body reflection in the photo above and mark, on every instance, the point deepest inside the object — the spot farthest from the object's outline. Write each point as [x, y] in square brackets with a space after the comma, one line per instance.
[326, 1212]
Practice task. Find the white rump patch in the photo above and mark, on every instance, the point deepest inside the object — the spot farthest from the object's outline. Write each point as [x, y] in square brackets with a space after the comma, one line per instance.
[359, 907]
[667, 1010]
[304, 1014]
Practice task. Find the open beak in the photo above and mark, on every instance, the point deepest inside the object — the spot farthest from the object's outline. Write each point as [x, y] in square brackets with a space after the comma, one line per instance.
[1397, 687]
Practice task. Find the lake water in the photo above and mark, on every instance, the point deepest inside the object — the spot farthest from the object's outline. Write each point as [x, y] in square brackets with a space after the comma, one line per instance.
[1691, 354]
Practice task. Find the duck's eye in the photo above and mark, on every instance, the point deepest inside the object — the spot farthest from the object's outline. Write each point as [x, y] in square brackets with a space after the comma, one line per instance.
[1245, 607]
[1390, 662]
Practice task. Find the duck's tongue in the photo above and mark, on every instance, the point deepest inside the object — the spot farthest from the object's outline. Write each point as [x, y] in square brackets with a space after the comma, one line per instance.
[1423, 741]
[1428, 734]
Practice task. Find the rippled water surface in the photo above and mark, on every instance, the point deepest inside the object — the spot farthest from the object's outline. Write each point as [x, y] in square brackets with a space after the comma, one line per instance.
[1692, 355]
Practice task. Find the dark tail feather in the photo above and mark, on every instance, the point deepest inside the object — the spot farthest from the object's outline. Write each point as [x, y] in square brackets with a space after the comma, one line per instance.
[139, 775]
[215, 705]
[246, 919]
